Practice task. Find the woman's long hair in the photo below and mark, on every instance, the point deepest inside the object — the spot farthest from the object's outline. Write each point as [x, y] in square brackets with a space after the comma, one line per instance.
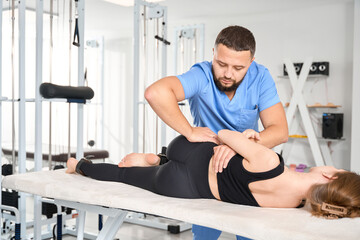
[338, 198]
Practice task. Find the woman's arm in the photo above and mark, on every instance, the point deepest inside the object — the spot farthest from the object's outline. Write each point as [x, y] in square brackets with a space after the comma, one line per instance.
[259, 157]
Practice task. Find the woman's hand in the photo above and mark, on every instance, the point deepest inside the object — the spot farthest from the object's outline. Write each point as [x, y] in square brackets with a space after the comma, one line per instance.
[251, 134]
[221, 158]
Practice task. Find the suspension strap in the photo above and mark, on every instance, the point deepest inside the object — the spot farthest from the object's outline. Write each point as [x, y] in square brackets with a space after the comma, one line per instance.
[76, 31]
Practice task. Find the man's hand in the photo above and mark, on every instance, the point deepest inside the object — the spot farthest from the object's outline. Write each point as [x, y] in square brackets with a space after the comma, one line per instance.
[221, 158]
[251, 134]
[203, 134]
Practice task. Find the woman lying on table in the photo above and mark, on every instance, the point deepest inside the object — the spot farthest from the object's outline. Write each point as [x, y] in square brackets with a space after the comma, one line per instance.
[256, 176]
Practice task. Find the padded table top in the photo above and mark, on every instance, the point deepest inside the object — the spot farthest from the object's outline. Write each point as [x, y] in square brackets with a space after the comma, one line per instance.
[251, 222]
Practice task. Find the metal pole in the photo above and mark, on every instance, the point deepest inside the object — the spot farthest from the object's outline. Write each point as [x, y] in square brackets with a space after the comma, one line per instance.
[69, 107]
[80, 112]
[22, 114]
[50, 79]
[13, 83]
[101, 44]
[136, 75]
[145, 74]
[355, 127]
[164, 67]
[1, 6]
[38, 112]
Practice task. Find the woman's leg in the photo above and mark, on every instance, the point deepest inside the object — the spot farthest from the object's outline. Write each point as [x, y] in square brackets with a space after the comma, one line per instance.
[143, 177]
[178, 150]
[170, 179]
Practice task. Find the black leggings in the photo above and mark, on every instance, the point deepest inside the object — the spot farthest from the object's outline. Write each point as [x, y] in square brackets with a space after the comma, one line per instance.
[184, 176]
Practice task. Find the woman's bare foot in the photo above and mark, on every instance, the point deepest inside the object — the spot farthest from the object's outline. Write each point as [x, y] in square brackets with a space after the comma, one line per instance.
[139, 160]
[71, 165]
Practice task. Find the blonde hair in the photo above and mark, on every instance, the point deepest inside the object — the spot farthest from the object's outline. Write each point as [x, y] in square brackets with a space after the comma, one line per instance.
[342, 193]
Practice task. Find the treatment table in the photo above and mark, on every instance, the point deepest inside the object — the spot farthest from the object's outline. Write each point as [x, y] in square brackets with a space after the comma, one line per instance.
[117, 199]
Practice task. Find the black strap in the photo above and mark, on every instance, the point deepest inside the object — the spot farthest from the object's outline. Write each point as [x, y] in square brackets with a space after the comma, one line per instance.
[162, 156]
[76, 34]
[76, 31]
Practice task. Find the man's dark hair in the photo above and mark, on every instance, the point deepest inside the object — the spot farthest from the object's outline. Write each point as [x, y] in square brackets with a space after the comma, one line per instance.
[237, 38]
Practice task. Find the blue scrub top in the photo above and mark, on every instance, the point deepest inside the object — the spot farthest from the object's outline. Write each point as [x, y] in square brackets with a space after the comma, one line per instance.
[211, 108]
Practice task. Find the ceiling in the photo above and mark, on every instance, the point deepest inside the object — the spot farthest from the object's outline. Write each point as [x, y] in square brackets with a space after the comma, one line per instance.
[103, 16]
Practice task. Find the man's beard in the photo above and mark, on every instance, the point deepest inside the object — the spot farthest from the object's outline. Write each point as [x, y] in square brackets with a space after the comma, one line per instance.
[222, 88]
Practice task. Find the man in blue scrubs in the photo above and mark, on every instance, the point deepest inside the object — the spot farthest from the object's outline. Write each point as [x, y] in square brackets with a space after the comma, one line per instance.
[231, 92]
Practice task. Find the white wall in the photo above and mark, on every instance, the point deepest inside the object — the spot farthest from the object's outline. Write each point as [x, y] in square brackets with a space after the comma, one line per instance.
[323, 32]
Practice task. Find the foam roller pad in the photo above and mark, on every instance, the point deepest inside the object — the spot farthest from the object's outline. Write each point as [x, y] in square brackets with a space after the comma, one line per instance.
[49, 90]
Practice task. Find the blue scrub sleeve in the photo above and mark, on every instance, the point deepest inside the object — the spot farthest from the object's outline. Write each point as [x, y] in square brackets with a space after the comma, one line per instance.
[268, 93]
[193, 81]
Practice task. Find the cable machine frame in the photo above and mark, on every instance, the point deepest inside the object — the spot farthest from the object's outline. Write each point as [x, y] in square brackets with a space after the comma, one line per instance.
[156, 11]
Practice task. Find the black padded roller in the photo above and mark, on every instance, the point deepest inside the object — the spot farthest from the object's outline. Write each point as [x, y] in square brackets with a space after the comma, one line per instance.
[49, 90]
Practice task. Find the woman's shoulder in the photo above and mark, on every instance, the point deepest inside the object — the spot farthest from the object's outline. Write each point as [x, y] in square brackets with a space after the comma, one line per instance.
[267, 161]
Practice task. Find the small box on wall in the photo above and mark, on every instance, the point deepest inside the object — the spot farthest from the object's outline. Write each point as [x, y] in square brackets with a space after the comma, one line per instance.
[321, 68]
[298, 67]
[332, 126]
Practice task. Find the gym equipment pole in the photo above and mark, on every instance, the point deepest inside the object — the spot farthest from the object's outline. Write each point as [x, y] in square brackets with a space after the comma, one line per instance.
[69, 105]
[38, 112]
[136, 75]
[22, 114]
[80, 111]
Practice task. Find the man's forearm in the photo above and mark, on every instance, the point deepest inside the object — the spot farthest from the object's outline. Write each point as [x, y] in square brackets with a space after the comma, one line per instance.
[165, 105]
[273, 136]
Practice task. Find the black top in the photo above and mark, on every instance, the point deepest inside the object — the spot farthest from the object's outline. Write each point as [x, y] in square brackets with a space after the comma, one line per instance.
[233, 182]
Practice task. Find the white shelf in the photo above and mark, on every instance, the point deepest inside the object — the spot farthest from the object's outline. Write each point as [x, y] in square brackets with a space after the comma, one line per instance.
[313, 76]
[320, 139]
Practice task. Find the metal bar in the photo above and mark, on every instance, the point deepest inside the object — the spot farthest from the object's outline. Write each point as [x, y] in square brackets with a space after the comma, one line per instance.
[101, 45]
[355, 127]
[38, 112]
[50, 80]
[1, 177]
[115, 218]
[22, 116]
[145, 75]
[69, 59]
[13, 83]
[136, 75]
[80, 224]
[164, 72]
[80, 110]
[112, 226]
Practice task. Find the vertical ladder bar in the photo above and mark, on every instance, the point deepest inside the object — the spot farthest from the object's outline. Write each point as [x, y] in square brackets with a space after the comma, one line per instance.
[1, 6]
[136, 75]
[22, 114]
[38, 112]
[80, 110]
[355, 127]
[163, 74]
